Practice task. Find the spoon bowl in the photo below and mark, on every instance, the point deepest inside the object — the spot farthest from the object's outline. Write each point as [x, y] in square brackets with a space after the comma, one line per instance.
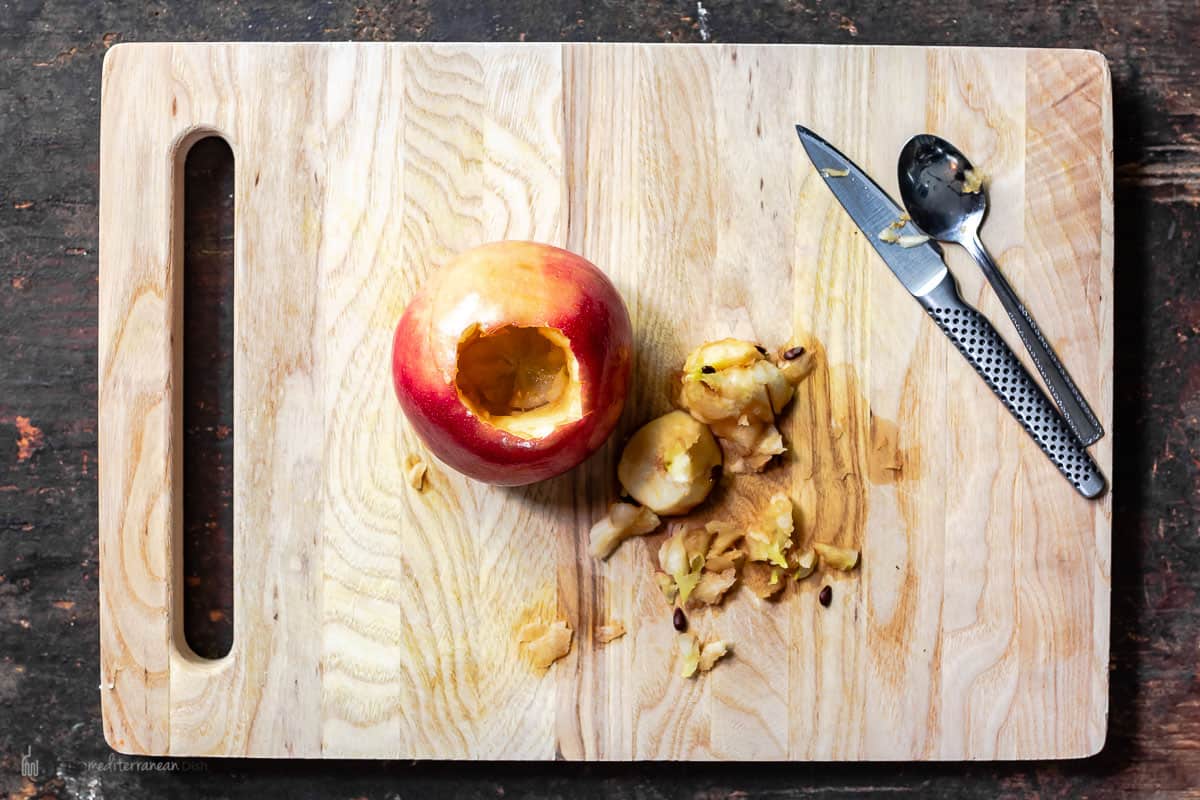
[937, 191]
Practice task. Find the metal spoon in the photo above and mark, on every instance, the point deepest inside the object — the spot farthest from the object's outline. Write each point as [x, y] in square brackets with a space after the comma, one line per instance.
[943, 196]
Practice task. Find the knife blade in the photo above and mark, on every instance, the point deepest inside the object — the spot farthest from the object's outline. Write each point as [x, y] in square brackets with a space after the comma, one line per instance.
[922, 271]
[919, 268]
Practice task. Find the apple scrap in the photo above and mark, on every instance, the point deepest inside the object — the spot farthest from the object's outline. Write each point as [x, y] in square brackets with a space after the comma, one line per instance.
[842, 558]
[730, 388]
[731, 393]
[622, 521]
[891, 234]
[769, 538]
[415, 472]
[669, 464]
[700, 565]
[734, 388]
[702, 658]
[689, 578]
[972, 182]
[610, 632]
[544, 643]
[805, 563]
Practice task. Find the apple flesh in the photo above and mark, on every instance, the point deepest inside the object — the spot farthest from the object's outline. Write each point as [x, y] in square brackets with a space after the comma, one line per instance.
[512, 363]
[669, 465]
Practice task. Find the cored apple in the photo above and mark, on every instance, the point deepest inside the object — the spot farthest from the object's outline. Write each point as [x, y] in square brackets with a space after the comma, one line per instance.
[512, 363]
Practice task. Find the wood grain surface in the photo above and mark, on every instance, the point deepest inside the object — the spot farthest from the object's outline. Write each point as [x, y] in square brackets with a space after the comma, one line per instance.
[373, 621]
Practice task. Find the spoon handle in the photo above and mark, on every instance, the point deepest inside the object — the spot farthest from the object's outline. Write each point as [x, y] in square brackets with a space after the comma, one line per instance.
[1002, 371]
[1075, 409]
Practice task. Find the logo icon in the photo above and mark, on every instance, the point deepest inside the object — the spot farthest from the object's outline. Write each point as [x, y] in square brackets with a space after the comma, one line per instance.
[29, 765]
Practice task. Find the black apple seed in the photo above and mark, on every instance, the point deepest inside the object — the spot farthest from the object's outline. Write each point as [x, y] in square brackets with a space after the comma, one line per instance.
[793, 353]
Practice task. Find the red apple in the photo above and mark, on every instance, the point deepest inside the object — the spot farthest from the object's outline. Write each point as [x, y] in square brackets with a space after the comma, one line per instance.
[512, 362]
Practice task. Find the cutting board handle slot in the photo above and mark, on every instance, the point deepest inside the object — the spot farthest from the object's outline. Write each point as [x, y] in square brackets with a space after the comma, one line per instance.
[203, 248]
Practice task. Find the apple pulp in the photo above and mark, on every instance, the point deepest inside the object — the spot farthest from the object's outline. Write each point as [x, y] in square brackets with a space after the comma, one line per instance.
[512, 363]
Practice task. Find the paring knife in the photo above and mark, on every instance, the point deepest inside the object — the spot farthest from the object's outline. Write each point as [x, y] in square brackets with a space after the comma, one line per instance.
[924, 274]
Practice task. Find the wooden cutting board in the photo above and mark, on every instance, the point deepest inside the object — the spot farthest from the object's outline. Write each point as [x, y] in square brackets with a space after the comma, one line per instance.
[375, 621]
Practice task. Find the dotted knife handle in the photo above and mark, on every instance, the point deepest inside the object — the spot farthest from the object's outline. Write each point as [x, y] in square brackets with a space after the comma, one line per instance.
[1004, 374]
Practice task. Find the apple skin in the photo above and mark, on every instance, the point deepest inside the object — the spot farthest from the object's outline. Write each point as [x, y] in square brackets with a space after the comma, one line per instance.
[522, 284]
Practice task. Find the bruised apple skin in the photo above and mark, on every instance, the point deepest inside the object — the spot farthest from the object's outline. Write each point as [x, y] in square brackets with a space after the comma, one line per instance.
[512, 363]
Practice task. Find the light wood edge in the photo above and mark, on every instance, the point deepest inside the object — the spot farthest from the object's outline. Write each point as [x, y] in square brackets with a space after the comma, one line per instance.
[1097, 738]
[120, 731]
[1094, 720]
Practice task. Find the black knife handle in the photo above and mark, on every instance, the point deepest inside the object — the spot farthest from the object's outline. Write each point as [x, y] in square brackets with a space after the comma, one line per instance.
[1004, 374]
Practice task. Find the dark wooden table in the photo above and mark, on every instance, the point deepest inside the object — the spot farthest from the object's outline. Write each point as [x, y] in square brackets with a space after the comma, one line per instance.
[50, 56]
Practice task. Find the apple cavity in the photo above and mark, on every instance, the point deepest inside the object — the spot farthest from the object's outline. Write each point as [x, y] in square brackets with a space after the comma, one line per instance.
[512, 362]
